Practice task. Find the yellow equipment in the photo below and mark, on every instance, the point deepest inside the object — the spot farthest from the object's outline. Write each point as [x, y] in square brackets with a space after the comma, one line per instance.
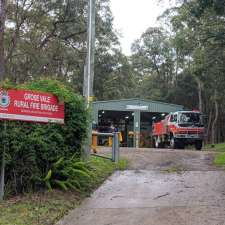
[94, 141]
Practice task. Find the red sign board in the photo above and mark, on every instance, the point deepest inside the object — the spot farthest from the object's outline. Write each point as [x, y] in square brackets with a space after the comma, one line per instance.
[25, 105]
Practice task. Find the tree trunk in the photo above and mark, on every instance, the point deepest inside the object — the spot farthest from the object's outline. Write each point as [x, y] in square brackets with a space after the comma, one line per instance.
[2, 29]
[200, 102]
[215, 119]
[208, 127]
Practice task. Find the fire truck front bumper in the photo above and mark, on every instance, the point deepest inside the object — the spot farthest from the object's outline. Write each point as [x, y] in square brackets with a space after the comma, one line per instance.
[189, 137]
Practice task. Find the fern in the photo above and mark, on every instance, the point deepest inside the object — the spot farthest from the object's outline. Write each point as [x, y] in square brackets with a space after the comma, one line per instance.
[48, 184]
[81, 173]
[61, 184]
[81, 166]
[71, 186]
[69, 174]
[76, 184]
[58, 163]
[48, 176]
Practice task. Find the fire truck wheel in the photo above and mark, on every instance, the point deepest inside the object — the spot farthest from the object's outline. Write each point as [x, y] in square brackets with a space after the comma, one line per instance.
[162, 145]
[153, 143]
[198, 145]
[173, 143]
[181, 145]
[158, 143]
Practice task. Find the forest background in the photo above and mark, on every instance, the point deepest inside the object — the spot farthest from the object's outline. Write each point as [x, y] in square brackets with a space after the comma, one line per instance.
[180, 62]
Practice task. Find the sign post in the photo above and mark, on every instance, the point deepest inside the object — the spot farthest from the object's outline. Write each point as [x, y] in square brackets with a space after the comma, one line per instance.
[2, 181]
[29, 106]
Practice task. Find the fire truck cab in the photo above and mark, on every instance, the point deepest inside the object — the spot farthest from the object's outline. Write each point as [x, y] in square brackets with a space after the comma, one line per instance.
[178, 130]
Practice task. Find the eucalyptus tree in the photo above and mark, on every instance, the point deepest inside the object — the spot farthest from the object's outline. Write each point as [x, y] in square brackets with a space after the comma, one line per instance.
[153, 61]
[198, 28]
[185, 65]
[48, 38]
[3, 4]
[43, 37]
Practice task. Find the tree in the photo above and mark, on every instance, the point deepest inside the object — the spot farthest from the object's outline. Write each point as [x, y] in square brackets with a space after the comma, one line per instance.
[114, 77]
[198, 30]
[2, 32]
[153, 60]
[48, 38]
[185, 63]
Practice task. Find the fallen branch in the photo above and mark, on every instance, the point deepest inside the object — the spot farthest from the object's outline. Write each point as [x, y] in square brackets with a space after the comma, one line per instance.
[160, 196]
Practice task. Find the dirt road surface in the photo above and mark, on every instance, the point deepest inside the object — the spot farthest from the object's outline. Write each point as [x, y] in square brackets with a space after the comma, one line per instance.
[160, 187]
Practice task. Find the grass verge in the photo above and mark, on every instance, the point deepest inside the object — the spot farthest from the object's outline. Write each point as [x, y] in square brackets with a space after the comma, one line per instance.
[220, 159]
[46, 208]
[218, 147]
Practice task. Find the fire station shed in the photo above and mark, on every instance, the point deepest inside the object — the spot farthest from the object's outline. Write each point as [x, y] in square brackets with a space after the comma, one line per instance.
[132, 117]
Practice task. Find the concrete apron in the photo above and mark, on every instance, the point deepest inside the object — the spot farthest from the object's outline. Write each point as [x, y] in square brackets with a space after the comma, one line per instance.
[141, 197]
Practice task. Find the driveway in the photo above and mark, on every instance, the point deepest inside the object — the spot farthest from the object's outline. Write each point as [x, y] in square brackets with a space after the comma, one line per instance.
[160, 187]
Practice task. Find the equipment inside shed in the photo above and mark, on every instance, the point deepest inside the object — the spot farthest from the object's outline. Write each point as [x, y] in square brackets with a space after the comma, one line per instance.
[123, 121]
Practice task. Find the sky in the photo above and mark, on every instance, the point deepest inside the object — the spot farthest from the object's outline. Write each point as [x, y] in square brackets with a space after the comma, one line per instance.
[133, 17]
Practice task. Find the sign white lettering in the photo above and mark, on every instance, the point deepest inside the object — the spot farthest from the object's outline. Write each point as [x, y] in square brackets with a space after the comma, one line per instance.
[28, 105]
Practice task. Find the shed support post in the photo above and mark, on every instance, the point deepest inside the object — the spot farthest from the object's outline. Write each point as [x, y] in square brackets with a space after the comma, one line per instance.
[95, 115]
[115, 147]
[137, 128]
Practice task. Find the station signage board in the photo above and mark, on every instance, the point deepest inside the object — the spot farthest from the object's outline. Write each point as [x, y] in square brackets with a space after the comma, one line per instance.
[137, 107]
[31, 106]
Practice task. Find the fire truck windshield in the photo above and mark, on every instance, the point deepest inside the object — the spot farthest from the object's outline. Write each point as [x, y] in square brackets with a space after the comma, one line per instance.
[189, 118]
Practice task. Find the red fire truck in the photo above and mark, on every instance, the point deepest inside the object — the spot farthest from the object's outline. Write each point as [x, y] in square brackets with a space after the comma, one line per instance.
[179, 129]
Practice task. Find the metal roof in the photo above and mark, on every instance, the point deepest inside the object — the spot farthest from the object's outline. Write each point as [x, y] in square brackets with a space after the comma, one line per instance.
[122, 105]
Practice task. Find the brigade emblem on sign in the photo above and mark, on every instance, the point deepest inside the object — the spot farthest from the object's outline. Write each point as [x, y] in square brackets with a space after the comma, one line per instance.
[4, 99]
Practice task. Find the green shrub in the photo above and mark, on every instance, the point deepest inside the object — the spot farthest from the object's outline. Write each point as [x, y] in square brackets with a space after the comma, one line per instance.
[81, 176]
[32, 148]
[68, 174]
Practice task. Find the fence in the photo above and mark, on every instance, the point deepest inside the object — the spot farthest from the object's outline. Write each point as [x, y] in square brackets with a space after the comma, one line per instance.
[115, 145]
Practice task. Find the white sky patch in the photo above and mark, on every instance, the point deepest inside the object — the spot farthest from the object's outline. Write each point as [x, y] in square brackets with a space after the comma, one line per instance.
[133, 17]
